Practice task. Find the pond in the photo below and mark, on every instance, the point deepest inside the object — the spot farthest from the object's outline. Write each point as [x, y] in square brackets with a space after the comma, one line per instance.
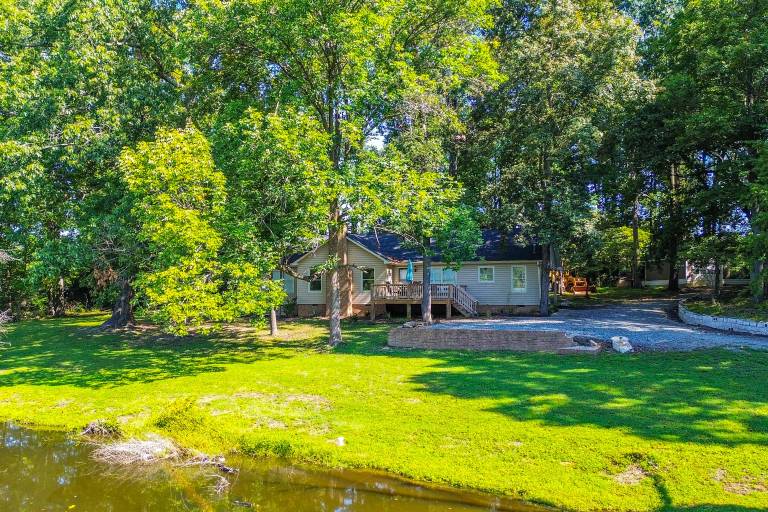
[47, 471]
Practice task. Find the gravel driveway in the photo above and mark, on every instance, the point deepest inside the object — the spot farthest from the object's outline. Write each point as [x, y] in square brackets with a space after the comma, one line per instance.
[647, 324]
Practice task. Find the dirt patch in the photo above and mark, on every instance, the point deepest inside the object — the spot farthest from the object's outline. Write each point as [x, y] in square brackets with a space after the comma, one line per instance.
[743, 486]
[316, 400]
[633, 475]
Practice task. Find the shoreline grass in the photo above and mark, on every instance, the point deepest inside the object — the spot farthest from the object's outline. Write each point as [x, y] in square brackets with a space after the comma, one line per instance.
[651, 431]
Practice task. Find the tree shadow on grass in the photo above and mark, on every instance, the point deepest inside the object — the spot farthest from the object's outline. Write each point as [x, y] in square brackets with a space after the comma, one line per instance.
[713, 396]
[70, 351]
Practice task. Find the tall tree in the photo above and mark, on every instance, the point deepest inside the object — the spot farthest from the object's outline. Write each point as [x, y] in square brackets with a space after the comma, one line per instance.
[568, 63]
[343, 62]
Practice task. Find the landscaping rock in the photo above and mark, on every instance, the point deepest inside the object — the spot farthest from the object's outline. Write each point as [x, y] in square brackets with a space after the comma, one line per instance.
[580, 350]
[412, 324]
[588, 341]
[621, 344]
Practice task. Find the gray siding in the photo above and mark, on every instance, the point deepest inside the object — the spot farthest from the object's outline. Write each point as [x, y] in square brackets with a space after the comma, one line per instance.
[363, 258]
[357, 256]
[303, 295]
[498, 293]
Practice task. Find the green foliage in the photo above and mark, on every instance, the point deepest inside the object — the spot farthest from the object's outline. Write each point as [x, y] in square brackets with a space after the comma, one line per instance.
[561, 86]
[179, 198]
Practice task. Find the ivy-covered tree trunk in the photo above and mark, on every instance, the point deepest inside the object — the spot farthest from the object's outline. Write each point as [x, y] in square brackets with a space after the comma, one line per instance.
[426, 295]
[636, 283]
[122, 311]
[544, 281]
[756, 269]
[673, 283]
[57, 299]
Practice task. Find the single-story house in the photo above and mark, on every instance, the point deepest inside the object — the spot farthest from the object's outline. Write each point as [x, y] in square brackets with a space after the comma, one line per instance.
[504, 277]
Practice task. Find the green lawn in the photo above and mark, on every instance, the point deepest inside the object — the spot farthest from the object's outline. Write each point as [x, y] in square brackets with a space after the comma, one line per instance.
[739, 306]
[608, 295]
[562, 430]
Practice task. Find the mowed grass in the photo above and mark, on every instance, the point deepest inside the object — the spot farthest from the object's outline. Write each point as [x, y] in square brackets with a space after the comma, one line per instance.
[739, 306]
[658, 431]
[614, 295]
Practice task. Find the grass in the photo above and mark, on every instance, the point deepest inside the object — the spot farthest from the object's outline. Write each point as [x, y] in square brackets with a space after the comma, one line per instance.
[739, 306]
[608, 295]
[652, 431]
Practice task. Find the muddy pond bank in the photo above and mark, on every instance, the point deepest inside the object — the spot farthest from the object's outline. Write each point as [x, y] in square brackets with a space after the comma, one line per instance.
[49, 470]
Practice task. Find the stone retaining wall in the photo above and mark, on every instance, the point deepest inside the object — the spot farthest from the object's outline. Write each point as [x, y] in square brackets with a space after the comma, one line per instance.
[720, 322]
[479, 339]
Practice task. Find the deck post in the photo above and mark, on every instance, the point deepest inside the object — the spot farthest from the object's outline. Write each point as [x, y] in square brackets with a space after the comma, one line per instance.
[448, 310]
[408, 311]
[373, 306]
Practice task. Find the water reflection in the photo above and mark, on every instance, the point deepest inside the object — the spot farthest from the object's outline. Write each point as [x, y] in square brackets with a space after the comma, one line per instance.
[47, 471]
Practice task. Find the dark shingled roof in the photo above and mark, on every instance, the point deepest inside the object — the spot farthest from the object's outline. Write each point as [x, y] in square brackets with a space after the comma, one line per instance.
[494, 247]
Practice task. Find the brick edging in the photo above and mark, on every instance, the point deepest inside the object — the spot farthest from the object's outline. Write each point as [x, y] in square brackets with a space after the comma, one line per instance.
[721, 323]
[478, 339]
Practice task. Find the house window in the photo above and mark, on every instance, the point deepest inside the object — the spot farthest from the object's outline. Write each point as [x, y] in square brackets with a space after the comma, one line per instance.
[368, 278]
[316, 285]
[443, 276]
[401, 274]
[485, 274]
[519, 278]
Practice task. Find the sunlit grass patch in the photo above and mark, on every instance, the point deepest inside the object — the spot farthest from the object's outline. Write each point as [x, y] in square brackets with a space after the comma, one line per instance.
[568, 431]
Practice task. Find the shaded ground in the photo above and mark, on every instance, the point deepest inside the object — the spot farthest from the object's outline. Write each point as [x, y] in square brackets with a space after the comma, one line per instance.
[648, 325]
[645, 432]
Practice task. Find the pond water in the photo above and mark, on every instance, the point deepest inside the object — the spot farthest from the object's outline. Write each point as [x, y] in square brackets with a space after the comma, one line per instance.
[50, 471]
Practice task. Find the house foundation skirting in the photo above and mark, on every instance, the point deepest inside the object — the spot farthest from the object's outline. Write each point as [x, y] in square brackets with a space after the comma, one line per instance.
[507, 310]
[311, 310]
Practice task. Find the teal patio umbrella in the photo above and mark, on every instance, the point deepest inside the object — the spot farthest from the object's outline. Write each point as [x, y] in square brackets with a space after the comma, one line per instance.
[409, 272]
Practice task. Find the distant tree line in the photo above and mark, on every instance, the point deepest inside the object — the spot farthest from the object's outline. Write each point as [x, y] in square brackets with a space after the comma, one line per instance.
[164, 157]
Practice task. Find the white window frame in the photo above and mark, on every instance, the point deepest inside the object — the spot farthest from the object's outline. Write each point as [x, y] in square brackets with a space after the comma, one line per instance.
[441, 280]
[362, 279]
[525, 278]
[401, 273]
[493, 274]
[309, 285]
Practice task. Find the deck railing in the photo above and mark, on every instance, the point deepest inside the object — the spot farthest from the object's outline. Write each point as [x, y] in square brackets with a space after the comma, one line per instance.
[415, 291]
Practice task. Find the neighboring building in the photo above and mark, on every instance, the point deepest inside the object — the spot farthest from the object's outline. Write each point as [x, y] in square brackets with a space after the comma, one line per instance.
[657, 274]
[504, 278]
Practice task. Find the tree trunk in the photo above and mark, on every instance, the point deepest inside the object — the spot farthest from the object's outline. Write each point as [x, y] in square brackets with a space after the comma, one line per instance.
[673, 285]
[756, 272]
[426, 295]
[716, 288]
[544, 281]
[336, 247]
[58, 300]
[122, 311]
[635, 245]
[273, 322]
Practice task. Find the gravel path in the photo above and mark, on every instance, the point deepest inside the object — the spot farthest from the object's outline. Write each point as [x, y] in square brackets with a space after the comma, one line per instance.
[647, 324]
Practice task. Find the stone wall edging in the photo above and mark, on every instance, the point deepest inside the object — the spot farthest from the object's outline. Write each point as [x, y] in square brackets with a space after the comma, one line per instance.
[721, 323]
[478, 339]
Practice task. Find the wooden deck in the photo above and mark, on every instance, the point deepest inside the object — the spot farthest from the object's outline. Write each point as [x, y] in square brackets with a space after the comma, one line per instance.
[412, 293]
